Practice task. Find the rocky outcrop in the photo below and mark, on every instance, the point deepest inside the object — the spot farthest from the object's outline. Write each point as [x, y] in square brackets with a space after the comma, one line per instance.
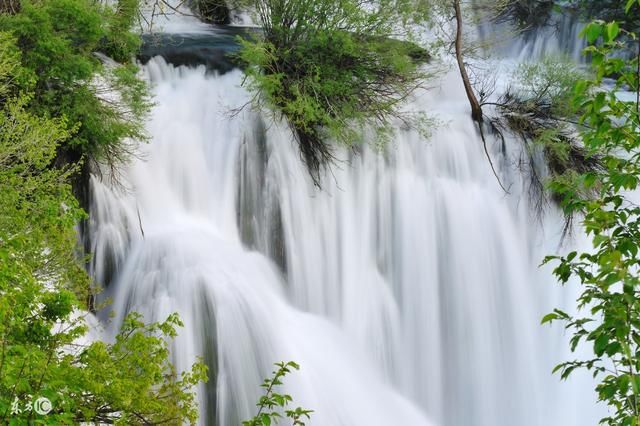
[216, 50]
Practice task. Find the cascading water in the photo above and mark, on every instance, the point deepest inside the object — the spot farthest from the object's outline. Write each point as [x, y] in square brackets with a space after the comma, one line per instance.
[407, 288]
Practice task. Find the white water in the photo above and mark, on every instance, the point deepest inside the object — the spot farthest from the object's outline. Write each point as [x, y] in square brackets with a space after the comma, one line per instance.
[407, 288]
[561, 36]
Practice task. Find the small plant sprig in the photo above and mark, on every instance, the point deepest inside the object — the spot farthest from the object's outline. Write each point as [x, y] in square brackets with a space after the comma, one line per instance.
[272, 403]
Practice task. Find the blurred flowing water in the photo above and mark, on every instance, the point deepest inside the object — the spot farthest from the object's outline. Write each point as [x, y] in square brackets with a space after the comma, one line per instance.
[407, 288]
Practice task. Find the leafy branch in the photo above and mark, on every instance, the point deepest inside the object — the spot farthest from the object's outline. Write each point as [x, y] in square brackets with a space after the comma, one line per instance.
[609, 305]
[272, 403]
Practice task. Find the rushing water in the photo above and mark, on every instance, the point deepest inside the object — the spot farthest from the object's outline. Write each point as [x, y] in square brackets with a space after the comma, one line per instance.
[407, 288]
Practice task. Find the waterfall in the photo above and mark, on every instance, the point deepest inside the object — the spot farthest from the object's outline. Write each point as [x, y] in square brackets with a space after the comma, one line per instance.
[558, 37]
[407, 287]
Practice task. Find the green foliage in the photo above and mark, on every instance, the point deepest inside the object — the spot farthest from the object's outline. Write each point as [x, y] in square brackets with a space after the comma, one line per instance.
[538, 109]
[59, 40]
[44, 350]
[333, 68]
[272, 403]
[549, 81]
[544, 111]
[609, 316]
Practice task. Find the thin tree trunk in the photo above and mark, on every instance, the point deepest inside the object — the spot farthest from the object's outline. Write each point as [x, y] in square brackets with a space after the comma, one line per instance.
[476, 110]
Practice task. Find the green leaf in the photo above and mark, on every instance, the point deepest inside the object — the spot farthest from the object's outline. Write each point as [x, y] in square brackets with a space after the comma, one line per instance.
[265, 419]
[592, 31]
[628, 6]
[613, 29]
[600, 344]
[623, 384]
[549, 318]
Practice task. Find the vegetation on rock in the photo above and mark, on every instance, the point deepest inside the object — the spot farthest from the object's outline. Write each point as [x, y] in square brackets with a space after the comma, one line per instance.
[335, 69]
[59, 41]
[538, 110]
[213, 11]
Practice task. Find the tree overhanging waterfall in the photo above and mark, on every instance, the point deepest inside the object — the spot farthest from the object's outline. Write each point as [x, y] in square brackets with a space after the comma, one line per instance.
[407, 288]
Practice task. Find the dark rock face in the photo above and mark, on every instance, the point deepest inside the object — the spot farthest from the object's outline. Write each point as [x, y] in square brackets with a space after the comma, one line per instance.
[216, 50]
